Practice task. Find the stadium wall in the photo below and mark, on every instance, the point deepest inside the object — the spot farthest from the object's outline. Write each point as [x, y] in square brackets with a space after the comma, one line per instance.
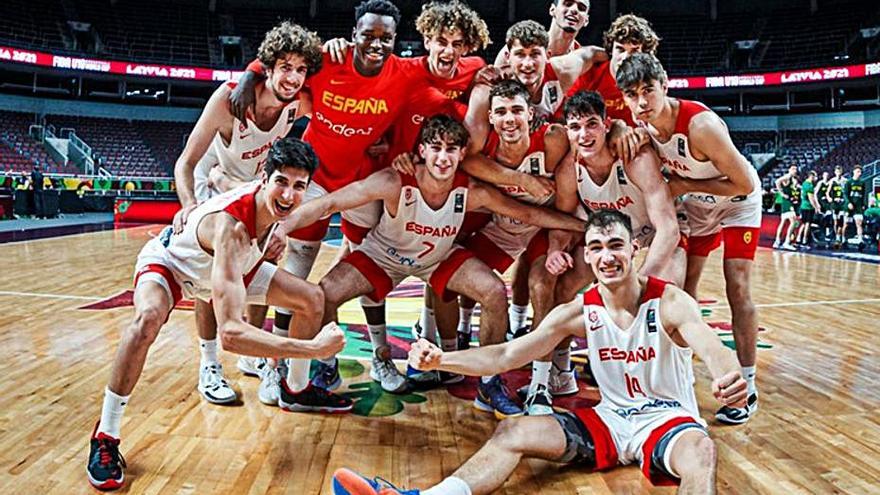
[46, 106]
[834, 120]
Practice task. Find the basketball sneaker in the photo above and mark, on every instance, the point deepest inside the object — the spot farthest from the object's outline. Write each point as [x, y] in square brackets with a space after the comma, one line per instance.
[416, 330]
[494, 397]
[249, 365]
[521, 331]
[422, 380]
[268, 390]
[106, 464]
[738, 415]
[538, 401]
[449, 378]
[463, 341]
[213, 385]
[347, 482]
[384, 372]
[327, 376]
[563, 382]
[312, 399]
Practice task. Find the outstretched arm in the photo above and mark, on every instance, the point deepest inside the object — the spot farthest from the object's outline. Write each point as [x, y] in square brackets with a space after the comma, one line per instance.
[680, 316]
[564, 321]
[486, 196]
[383, 185]
[570, 66]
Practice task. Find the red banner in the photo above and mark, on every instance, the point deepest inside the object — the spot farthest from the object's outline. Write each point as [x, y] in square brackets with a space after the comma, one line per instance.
[144, 210]
[41, 59]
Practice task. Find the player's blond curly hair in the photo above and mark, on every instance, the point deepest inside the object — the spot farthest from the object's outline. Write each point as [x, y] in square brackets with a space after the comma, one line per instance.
[439, 16]
[529, 33]
[633, 29]
[287, 38]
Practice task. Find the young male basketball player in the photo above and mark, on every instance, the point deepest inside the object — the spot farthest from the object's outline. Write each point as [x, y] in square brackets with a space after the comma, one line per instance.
[218, 256]
[836, 196]
[723, 202]
[811, 211]
[642, 333]
[592, 179]
[856, 193]
[784, 187]
[423, 213]
[567, 18]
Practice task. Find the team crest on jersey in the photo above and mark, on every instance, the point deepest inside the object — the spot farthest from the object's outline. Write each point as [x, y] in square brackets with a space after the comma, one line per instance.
[459, 203]
[652, 321]
[682, 148]
[621, 176]
[407, 194]
[747, 237]
[241, 127]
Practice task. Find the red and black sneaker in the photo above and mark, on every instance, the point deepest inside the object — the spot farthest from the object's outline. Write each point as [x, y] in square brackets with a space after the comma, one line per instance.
[105, 462]
[312, 399]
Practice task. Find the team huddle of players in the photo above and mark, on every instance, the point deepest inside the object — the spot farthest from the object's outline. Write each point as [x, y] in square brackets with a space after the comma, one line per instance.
[450, 170]
[829, 203]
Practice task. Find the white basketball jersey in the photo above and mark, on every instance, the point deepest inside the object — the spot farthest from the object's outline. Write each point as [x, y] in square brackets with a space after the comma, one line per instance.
[617, 193]
[552, 95]
[243, 157]
[190, 263]
[676, 156]
[534, 163]
[420, 236]
[638, 369]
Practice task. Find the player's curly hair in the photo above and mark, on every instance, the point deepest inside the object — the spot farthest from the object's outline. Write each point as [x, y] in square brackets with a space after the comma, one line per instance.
[529, 33]
[443, 127]
[287, 38]
[378, 7]
[633, 29]
[291, 152]
[437, 16]
[509, 88]
[582, 104]
[639, 68]
[604, 218]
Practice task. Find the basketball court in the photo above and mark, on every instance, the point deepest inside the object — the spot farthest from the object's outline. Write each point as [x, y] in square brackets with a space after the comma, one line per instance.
[817, 431]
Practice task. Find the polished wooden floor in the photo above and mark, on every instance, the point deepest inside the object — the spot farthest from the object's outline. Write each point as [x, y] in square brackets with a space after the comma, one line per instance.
[818, 430]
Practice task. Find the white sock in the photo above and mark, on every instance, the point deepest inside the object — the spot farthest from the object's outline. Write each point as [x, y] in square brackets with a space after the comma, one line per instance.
[330, 361]
[562, 358]
[449, 345]
[464, 320]
[449, 486]
[378, 336]
[487, 379]
[518, 315]
[428, 324]
[298, 374]
[540, 373]
[748, 373]
[208, 349]
[281, 332]
[111, 413]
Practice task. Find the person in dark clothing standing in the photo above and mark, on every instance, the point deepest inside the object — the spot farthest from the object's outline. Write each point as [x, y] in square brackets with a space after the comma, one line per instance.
[37, 184]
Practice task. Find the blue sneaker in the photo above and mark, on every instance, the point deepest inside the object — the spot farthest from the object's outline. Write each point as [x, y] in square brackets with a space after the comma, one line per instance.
[327, 376]
[494, 397]
[347, 482]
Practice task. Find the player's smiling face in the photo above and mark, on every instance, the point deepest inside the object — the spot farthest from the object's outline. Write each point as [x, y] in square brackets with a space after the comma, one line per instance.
[287, 76]
[444, 52]
[373, 42]
[645, 100]
[442, 158]
[586, 134]
[528, 63]
[570, 15]
[285, 189]
[609, 251]
[510, 117]
[620, 52]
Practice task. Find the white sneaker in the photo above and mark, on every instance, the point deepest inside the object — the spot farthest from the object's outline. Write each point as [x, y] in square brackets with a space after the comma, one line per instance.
[775, 244]
[250, 366]
[388, 376]
[563, 382]
[269, 388]
[738, 415]
[538, 402]
[213, 385]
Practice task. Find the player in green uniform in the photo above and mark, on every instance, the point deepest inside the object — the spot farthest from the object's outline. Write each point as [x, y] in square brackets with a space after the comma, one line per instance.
[838, 204]
[809, 209]
[788, 212]
[856, 194]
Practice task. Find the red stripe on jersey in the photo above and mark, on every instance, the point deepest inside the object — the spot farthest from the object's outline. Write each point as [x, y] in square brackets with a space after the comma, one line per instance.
[549, 74]
[165, 273]
[593, 298]
[606, 451]
[244, 209]
[687, 109]
[653, 290]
